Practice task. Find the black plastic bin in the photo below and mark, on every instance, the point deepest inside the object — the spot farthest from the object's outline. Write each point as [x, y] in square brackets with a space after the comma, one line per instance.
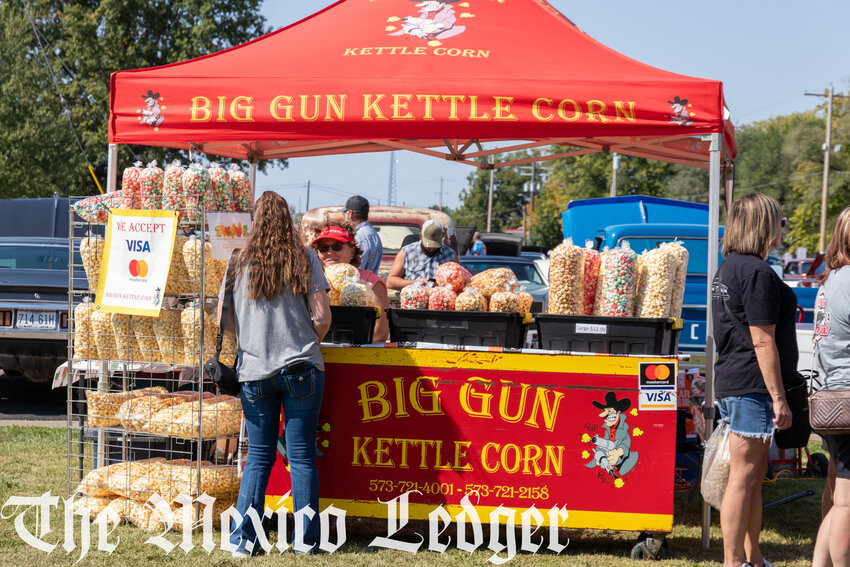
[351, 325]
[613, 335]
[467, 328]
[140, 446]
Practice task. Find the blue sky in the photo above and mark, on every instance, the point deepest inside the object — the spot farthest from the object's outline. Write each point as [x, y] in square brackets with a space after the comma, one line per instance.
[767, 54]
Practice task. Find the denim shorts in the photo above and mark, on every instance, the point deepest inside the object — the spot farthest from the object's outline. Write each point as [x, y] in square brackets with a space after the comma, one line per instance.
[748, 415]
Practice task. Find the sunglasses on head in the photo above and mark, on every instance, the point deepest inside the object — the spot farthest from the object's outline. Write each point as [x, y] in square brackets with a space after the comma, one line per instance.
[337, 246]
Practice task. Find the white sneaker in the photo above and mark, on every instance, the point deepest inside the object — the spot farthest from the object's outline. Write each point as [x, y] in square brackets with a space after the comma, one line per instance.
[241, 554]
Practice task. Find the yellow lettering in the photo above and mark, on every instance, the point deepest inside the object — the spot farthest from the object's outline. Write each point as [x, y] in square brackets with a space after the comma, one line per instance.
[531, 454]
[276, 106]
[541, 402]
[222, 105]
[423, 451]
[483, 53]
[429, 105]
[360, 451]
[381, 452]
[440, 466]
[485, 455]
[460, 463]
[596, 108]
[366, 51]
[304, 114]
[417, 392]
[535, 109]
[350, 51]
[440, 51]
[242, 104]
[562, 110]
[504, 458]
[419, 50]
[404, 444]
[366, 401]
[399, 397]
[504, 398]
[503, 106]
[335, 104]
[467, 392]
[453, 52]
[399, 107]
[557, 461]
[200, 104]
[619, 107]
[453, 100]
[370, 106]
[468, 52]
[473, 108]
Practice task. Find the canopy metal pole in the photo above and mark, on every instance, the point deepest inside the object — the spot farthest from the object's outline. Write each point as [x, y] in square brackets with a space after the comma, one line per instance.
[252, 177]
[714, 178]
[112, 168]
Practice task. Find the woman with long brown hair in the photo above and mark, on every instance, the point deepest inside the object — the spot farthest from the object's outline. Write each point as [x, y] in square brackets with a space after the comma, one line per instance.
[280, 315]
[832, 338]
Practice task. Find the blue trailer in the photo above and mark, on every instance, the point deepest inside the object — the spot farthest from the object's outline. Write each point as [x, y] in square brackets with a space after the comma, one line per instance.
[645, 222]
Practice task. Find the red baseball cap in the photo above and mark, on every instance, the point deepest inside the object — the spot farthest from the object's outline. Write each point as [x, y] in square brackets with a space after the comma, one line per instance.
[334, 233]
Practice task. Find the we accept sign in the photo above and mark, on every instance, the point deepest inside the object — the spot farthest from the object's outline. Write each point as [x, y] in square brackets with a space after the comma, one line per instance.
[136, 261]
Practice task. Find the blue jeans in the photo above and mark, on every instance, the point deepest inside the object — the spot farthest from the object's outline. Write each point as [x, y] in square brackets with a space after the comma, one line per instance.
[301, 396]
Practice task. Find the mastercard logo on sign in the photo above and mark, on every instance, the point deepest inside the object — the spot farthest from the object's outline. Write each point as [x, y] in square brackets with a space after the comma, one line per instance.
[138, 268]
[657, 372]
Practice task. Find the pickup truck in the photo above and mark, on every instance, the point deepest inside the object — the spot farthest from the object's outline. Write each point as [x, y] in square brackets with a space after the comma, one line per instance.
[645, 222]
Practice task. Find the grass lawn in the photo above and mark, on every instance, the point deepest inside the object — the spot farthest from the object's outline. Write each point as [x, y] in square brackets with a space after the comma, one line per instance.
[32, 461]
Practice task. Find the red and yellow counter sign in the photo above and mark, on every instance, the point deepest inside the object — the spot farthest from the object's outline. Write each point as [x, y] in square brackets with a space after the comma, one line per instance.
[510, 429]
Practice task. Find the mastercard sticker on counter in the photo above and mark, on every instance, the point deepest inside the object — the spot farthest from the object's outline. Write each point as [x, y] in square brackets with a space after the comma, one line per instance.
[657, 385]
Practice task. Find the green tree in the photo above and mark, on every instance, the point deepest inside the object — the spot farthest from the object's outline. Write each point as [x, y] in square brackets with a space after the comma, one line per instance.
[73, 46]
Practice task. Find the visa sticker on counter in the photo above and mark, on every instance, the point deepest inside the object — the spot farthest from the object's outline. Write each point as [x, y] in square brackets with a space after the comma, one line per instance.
[657, 385]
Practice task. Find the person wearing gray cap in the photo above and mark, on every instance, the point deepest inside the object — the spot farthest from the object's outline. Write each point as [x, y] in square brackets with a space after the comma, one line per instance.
[419, 260]
[357, 212]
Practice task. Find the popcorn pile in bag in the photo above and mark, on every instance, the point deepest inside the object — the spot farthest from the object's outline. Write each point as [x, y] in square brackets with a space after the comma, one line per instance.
[454, 275]
[525, 300]
[221, 189]
[504, 302]
[84, 346]
[91, 252]
[196, 186]
[212, 272]
[337, 276]
[656, 275]
[566, 279]
[592, 262]
[442, 298]
[131, 186]
[172, 188]
[95, 209]
[617, 287]
[168, 333]
[490, 281]
[677, 294]
[150, 181]
[241, 186]
[470, 299]
[355, 293]
[414, 296]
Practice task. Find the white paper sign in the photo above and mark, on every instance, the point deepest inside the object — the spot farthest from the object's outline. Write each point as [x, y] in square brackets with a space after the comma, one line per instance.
[228, 231]
[136, 261]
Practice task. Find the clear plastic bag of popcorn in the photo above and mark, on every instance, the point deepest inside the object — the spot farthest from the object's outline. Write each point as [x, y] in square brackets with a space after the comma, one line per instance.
[677, 294]
[656, 276]
[333, 296]
[102, 407]
[470, 299]
[592, 263]
[617, 288]
[131, 186]
[172, 188]
[95, 209]
[84, 345]
[221, 189]
[178, 281]
[190, 320]
[566, 279]
[151, 180]
[196, 181]
[168, 331]
[192, 257]
[504, 302]
[93, 505]
[414, 296]
[354, 294]
[104, 337]
[338, 274]
[243, 197]
[122, 330]
[453, 275]
[442, 298]
[91, 252]
[490, 281]
[146, 348]
[525, 300]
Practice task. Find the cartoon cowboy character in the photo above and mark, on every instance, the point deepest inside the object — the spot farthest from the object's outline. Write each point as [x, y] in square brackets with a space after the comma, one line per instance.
[152, 115]
[436, 21]
[680, 115]
[613, 451]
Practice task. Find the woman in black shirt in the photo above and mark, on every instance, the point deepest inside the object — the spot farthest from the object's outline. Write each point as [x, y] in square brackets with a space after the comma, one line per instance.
[749, 369]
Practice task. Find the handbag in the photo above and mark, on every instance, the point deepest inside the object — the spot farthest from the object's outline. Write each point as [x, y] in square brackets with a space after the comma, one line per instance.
[796, 391]
[829, 410]
[223, 376]
[715, 465]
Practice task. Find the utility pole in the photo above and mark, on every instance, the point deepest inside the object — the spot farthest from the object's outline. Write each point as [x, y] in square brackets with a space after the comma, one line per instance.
[533, 184]
[615, 168]
[441, 194]
[827, 148]
[391, 186]
[308, 196]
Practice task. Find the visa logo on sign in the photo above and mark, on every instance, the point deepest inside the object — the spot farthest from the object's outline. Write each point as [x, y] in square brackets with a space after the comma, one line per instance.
[660, 396]
[138, 245]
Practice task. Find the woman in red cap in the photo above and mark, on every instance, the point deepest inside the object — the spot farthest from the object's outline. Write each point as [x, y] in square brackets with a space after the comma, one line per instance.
[335, 245]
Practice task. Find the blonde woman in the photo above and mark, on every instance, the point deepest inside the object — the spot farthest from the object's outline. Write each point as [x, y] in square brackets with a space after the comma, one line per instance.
[832, 334]
[281, 314]
[749, 371]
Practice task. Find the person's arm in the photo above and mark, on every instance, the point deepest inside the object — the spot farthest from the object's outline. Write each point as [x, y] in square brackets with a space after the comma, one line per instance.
[231, 320]
[395, 279]
[767, 355]
[320, 311]
[382, 325]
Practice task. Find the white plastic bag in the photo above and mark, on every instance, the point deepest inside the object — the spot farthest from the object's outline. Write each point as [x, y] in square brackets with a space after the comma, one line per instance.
[715, 465]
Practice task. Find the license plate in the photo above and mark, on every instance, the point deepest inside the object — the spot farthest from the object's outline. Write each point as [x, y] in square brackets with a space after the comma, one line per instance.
[35, 320]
